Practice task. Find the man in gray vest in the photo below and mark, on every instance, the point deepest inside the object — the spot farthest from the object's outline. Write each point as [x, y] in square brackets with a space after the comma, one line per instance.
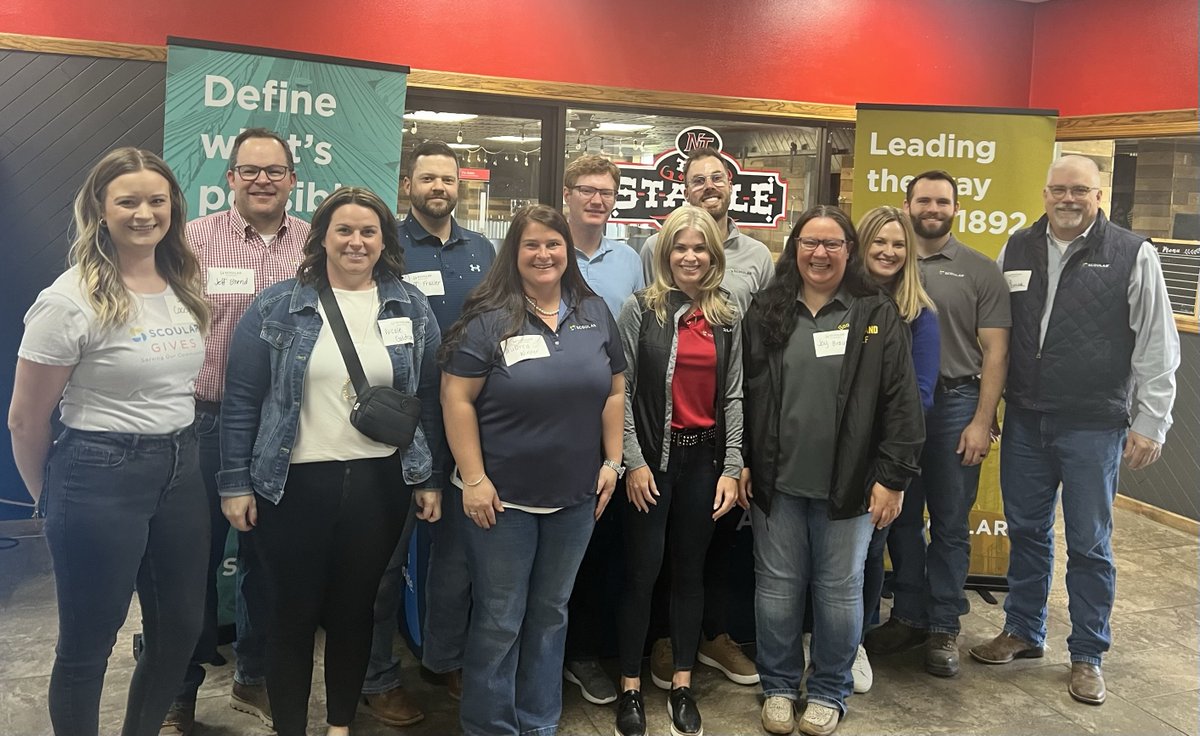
[1093, 335]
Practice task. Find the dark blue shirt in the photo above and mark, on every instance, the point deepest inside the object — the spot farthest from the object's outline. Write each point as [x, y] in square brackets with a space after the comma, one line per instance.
[926, 354]
[461, 262]
[540, 418]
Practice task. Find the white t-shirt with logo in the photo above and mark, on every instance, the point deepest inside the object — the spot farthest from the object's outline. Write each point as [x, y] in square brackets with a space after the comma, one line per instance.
[138, 378]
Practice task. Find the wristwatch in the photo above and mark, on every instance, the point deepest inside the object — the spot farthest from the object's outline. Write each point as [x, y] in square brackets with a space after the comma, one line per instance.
[616, 467]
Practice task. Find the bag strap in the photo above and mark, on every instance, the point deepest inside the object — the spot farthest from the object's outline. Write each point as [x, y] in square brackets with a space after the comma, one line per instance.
[345, 344]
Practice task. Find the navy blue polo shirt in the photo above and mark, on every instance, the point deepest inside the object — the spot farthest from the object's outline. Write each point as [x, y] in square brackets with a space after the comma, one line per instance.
[453, 268]
[540, 418]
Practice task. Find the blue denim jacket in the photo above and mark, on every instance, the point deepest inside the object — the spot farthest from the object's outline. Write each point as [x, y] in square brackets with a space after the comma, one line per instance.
[264, 383]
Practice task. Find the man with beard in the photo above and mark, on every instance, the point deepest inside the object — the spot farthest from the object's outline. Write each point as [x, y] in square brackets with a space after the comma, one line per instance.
[242, 251]
[973, 323]
[748, 263]
[445, 261]
[1090, 315]
[748, 267]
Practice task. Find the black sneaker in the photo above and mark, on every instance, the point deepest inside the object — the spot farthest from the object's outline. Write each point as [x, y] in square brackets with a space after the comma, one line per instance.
[685, 716]
[631, 714]
[892, 637]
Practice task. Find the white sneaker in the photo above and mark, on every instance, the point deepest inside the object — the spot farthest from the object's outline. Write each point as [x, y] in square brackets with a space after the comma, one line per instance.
[861, 669]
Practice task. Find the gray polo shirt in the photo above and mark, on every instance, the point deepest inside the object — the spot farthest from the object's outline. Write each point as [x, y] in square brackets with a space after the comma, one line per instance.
[809, 400]
[748, 266]
[971, 294]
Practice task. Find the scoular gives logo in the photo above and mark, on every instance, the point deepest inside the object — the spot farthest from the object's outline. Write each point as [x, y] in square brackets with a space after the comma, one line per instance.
[649, 192]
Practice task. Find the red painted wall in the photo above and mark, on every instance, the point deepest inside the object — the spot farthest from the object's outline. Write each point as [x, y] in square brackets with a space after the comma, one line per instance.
[1093, 57]
[1080, 56]
[964, 52]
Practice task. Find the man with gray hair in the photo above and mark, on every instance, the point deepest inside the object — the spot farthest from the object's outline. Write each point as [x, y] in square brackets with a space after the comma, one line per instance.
[1092, 335]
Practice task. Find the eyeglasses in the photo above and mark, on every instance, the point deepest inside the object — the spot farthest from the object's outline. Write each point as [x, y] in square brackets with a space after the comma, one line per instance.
[589, 192]
[832, 245]
[250, 173]
[1079, 192]
[699, 180]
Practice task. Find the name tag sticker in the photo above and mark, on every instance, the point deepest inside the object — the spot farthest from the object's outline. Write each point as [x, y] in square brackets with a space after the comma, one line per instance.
[1017, 280]
[230, 281]
[179, 311]
[830, 342]
[396, 331]
[524, 347]
[429, 282]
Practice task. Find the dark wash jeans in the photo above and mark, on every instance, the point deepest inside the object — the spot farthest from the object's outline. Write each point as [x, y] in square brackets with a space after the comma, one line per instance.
[124, 512]
[250, 669]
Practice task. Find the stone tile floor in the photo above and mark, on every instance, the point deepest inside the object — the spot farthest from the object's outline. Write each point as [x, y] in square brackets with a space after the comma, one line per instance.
[1153, 671]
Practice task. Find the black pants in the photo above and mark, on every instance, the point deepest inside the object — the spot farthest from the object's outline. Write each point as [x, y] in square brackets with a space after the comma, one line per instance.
[597, 586]
[686, 491]
[323, 550]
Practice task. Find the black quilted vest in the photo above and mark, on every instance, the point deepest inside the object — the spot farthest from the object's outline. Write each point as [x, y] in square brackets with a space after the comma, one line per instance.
[1083, 367]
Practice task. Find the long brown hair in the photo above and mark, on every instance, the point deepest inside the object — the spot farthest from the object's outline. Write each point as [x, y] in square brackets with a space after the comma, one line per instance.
[93, 251]
[501, 289]
[716, 308]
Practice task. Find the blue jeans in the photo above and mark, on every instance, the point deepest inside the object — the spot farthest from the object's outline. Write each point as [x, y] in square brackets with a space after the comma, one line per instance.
[249, 646]
[383, 671]
[448, 598]
[522, 572]
[124, 511]
[1039, 452]
[928, 583]
[795, 547]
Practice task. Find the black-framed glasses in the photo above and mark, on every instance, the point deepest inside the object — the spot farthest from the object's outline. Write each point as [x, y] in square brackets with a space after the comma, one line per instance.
[250, 173]
[699, 180]
[589, 192]
[1079, 192]
[832, 245]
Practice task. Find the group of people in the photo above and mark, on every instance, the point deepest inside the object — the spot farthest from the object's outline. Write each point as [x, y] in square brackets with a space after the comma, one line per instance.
[204, 376]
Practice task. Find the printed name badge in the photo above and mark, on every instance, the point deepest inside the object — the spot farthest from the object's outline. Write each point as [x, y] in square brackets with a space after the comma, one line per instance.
[830, 342]
[429, 282]
[1017, 280]
[230, 281]
[524, 347]
[179, 311]
[396, 331]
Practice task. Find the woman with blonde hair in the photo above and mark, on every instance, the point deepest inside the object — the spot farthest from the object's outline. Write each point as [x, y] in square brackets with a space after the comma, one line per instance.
[683, 445]
[890, 260]
[116, 342]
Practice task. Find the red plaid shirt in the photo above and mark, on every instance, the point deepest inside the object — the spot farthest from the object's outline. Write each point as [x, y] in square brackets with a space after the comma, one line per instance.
[225, 240]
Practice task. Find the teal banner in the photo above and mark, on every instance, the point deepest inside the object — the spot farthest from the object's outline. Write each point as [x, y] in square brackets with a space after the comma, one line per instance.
[343, 120]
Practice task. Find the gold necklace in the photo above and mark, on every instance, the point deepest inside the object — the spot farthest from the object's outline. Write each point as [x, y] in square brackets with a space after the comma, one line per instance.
[544, 312]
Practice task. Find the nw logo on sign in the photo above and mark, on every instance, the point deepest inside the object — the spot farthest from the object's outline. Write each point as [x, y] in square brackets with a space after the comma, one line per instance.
[647, 193]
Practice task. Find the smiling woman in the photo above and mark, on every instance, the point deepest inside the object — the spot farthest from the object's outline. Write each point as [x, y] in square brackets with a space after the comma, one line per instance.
[287, 439]
[114, 342]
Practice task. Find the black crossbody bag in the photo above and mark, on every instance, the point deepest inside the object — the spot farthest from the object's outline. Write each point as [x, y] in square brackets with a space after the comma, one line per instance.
[382, 413]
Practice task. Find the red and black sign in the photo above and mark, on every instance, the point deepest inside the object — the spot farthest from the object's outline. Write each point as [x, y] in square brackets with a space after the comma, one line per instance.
[647, 193]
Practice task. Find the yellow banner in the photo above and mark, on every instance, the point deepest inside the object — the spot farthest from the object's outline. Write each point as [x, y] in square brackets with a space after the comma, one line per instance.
[999, 158]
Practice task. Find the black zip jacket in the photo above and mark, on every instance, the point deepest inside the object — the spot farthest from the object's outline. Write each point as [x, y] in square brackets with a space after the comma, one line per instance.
[880, 425]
